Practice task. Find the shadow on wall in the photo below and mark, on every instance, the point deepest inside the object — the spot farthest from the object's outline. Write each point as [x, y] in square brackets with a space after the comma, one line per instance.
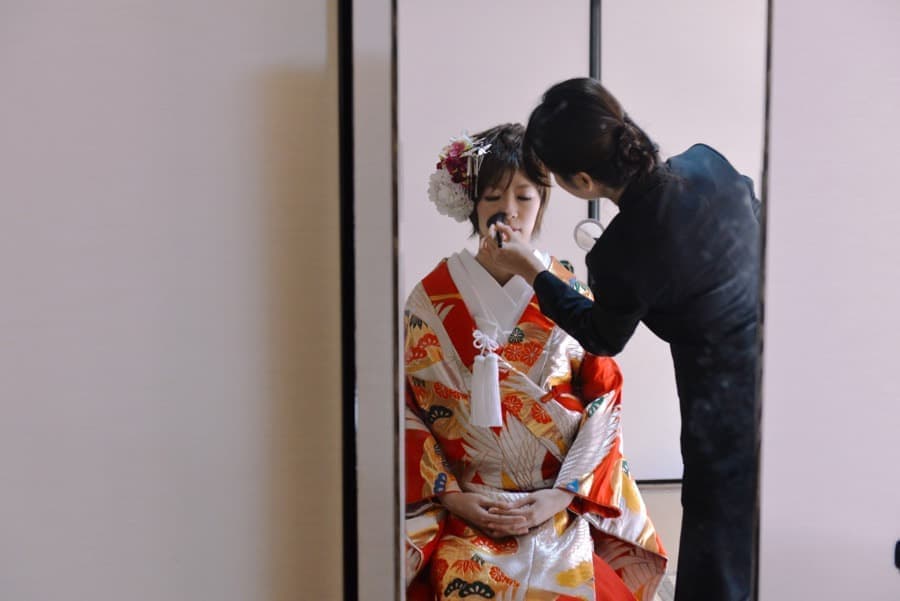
[301, 191]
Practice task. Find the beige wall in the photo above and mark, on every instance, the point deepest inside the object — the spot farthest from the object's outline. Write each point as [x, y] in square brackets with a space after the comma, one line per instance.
[830, 488]
[169, 364]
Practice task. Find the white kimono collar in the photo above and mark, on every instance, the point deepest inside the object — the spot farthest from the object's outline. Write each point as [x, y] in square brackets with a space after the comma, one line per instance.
[496, 309]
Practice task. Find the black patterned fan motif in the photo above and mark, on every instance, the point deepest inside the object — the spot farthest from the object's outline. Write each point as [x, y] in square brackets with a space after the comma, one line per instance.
[516, 336]
[437, 412]
[467, 589]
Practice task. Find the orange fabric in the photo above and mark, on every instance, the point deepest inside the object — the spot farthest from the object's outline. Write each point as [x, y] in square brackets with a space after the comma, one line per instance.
[458, 322]
[599, 375]
[607, 584]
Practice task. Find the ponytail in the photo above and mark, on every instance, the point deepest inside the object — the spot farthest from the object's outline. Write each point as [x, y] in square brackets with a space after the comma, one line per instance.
[579, 126]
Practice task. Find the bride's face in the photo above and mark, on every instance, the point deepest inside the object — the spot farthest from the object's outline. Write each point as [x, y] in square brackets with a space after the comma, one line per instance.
[520, 201]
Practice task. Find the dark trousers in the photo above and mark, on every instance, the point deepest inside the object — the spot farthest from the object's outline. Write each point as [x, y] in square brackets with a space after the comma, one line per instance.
[716, 552]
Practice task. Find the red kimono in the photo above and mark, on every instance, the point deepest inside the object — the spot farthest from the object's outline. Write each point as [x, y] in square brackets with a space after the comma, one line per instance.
[560, 412]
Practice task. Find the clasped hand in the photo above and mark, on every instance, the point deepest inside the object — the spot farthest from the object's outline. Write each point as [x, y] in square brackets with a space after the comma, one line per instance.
[498, 519]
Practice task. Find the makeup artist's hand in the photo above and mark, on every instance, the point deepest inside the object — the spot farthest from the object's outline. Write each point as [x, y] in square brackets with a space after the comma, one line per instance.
[516, 256]
[485, 515]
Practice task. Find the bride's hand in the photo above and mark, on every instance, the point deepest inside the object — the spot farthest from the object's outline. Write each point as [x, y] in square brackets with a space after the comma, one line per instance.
[481, 513]
[539, 506]
[516, 255]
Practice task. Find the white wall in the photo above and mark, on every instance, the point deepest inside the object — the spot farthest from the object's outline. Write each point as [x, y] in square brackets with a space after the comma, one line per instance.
[466, 66]
[688, 71]
[831, 403]
[169, 382]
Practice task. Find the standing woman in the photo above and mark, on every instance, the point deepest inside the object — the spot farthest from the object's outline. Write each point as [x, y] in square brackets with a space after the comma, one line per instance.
[682, 256]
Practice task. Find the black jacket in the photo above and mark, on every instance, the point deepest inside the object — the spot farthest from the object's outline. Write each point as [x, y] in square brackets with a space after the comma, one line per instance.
[682, 256]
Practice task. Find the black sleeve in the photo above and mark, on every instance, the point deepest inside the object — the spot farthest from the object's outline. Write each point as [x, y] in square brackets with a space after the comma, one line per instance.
[602, 327]
[755, 204]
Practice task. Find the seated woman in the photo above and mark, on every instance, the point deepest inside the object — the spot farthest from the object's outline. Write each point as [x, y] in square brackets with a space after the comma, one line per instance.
[516, 487]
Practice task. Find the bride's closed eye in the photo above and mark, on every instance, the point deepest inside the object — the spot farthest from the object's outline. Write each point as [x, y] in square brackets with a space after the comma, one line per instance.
[495, 198]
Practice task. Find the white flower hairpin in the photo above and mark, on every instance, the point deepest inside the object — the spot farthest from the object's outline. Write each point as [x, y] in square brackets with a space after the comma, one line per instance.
[452, 187]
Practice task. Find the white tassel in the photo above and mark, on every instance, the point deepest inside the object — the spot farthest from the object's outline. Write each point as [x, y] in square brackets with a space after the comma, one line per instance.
[484, 404]
[477, 396]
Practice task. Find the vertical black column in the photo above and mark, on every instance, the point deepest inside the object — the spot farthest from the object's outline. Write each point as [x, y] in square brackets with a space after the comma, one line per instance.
[348, 299]
[594, 72]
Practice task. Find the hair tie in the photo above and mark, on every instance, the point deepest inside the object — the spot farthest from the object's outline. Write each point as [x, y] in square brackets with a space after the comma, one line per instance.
[629, 143]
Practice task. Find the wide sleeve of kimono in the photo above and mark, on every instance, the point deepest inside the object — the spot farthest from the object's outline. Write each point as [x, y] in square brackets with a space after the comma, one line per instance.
[593, 467]
[605, 494]
[427, 471]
